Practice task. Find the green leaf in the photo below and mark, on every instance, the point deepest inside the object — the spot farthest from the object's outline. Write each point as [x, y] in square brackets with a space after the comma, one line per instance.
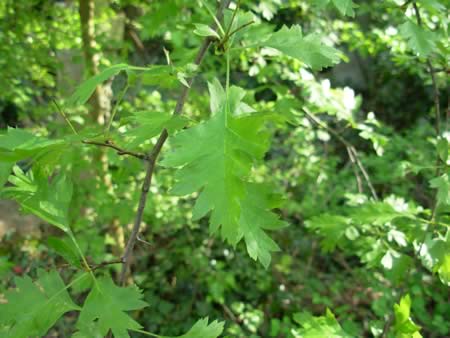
[5, 170]
[419, 40]
[85, 90]
[309, 49]
[66, 249]
[435, 255]
[404, 327]
[168, 76]
[444, 269]
[205, 30]
[378, 213]
[49, 201]
[255, 218]
[160, 75]
[105, 309]
[396, 264]
[442, 185]
[433, 6]
[33, 308]
[443, 149]
[323, 326]
[216, 157]
[331, 227]
[203, 330]
[151, 124]
[345, 7]
[18, 144]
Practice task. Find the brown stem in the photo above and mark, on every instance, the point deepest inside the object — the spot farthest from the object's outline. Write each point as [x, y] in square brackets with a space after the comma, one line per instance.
[106, 263]
[153, 156]
[353, 153]
[364, 172]
[355, 170]
[120, 151]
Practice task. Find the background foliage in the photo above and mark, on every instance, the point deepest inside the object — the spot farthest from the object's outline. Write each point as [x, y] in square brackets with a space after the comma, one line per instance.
[358, 155]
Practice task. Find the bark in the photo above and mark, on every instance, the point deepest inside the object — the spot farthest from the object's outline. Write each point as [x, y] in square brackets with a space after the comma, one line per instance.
[100, 105]
[100, 100]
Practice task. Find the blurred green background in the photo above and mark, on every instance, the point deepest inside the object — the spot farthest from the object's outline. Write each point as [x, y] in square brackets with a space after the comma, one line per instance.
[380, 99]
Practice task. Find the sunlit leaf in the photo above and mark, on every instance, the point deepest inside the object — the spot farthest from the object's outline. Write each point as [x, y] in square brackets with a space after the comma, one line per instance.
[404, 327]
[204, 330]
[216, 157]
[309, 49]
[106, 309]
[315, 327]
[34, 307]
[420, 40]
[48, 200]
[85, 90]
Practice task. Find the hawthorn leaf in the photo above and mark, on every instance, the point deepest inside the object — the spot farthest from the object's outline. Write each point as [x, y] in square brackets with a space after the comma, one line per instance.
[435, 255]
[434, 6]
[216, 157]
[228, 145]
[66, 249]
[345, 7]
[257, 217]
[419, 40]
[444, 269]
[378, 213]
[167, 76]
[396, 264]
[331, 227]
[5, 170]
[48, 200]
[443, 149]
[106, 309]
[323, 326]
[160, 75]
[320, 3]
[151, 124]
[85, 90]
[204, 330]
[404, 327]
[442, 184]
[205, 30]
[34, 307]
[308, 49]
[19, 144]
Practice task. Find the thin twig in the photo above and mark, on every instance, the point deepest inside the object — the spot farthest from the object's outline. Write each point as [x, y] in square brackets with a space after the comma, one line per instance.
[65, 116]
[350, 149]
[437, 108]
[152, 157]
[227, 33]
[432, 72]
[120, 151]
[116, 106]
[364, 172]
[106, 263]
[355, 170]
[241, 27]
[227, 37]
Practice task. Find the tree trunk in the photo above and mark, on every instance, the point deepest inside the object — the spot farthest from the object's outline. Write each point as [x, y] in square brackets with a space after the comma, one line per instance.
[100, 100]
[101, 104]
